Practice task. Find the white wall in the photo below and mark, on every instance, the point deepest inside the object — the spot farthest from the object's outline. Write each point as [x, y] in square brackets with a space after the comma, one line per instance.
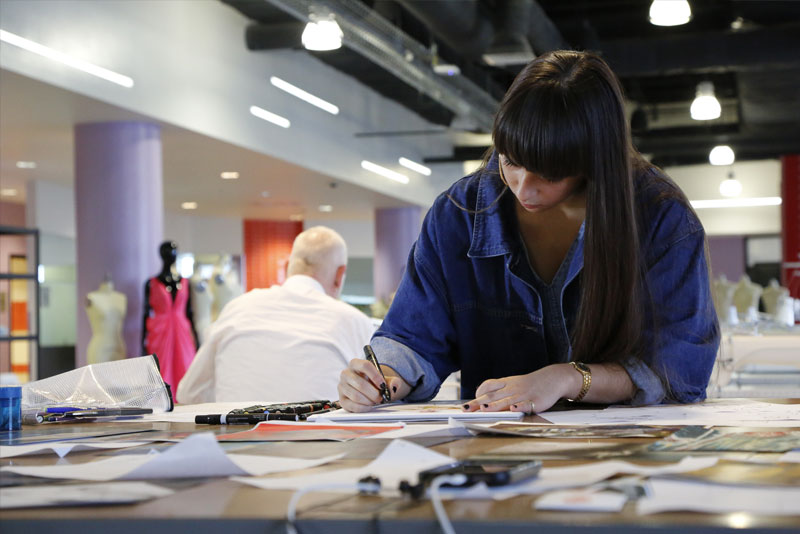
[359, 235]
[758, 178]
[204, 235]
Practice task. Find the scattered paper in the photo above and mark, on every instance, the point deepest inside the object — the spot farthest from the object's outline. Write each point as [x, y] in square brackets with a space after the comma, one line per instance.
[712, 412]
[790, 457]
[197, 456]
[400, 460]
[80, 494]
[64, 448]
[697, 438]
[411, 412]
[582, 500]
[453, 429]
[668, 495]
[307, 431]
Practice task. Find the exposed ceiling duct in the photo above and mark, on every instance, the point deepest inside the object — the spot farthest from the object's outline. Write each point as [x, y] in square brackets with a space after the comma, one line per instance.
[387, 46]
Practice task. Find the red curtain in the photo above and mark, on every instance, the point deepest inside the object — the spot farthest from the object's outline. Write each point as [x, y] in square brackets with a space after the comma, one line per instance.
[267, 245]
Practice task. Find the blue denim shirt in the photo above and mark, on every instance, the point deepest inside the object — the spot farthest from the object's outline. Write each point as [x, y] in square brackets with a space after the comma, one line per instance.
[467, 301]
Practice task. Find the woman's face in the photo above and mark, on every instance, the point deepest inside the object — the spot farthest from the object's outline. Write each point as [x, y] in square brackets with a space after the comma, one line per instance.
[534, 193]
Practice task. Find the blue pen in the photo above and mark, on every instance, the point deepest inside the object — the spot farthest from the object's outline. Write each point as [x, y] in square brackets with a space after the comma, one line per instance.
[65, 409]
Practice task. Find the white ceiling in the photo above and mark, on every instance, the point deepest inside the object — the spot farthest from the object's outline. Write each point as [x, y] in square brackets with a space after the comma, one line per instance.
[36, 124]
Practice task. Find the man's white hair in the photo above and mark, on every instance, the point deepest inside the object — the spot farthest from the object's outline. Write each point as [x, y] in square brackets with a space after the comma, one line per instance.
[317, 252]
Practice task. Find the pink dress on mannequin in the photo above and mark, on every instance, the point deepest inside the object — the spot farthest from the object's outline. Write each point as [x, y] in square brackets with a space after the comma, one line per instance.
[169, 332]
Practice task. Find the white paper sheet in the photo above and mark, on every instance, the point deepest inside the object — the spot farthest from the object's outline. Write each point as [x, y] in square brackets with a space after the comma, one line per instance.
[62, 448]
[79, 494]
[184, 413]
[791, 456]
[582, 500]
[717, 412]
[400, 460]
[556, 478]
[453, 428]
[198, 455]
[390, 413]
[667, 495]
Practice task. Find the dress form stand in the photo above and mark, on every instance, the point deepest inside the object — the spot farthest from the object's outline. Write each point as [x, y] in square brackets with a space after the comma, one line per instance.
[772, 293]
[168, 328]
[723, 297]
[746, 297]
[106, 310]
[202, 300]
[224, 285]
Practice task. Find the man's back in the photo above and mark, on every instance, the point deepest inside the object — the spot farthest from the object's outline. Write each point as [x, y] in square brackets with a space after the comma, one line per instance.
[286, 343]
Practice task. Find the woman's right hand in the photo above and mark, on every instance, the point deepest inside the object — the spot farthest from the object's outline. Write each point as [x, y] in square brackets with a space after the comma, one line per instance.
[359, 385]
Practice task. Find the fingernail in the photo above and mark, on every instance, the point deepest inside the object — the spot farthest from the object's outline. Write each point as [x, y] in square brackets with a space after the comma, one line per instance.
[394, 389]
[383, 385]
[514, 406]
[485, 405]
[466, 406]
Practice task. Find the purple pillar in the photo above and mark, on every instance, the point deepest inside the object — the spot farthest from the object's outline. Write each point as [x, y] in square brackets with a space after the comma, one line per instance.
[120, 217]
[396, 229]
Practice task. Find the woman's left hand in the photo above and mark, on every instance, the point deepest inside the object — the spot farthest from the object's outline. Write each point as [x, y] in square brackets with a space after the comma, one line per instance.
[534, 392]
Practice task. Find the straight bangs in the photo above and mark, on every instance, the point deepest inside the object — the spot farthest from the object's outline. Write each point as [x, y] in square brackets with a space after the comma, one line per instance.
[544, 132]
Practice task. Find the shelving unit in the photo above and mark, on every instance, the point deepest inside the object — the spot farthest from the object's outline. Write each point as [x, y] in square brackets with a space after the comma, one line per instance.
[33, 300]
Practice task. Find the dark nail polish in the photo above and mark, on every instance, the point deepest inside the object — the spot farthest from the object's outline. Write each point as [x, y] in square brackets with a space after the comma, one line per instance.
[466, 406]
[513, 405]
[394, 389]
[485, 405]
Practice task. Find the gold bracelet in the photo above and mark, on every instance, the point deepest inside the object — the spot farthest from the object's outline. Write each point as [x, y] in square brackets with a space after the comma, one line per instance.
[586, 372]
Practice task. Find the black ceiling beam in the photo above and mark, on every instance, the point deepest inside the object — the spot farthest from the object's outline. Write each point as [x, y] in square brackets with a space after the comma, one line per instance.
[713, 51]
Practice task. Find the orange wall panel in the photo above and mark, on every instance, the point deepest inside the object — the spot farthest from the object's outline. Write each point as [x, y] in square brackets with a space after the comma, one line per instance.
[267, 245]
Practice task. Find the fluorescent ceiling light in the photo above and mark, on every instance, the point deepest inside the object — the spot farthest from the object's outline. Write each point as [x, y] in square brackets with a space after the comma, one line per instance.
[8, 192]
[721, 155]
[26, 164]
[705, 106]
[383, 171]
[271, 117]
[229, 175]
[189, 205]
[322, 35]
[670, 12]
[325, 208]
[303, 95]
[414, 166]
[736, 202]
[75, 63]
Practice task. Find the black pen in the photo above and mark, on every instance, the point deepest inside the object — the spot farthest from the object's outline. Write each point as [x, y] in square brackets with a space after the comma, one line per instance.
[384, 388]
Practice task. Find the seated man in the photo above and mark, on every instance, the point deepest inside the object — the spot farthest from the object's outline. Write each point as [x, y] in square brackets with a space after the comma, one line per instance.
[287, 343]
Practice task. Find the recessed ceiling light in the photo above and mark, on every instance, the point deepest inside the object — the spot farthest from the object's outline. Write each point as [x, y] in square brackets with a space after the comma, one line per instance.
[721, 155]
[296, 217]
[229, 175]
[324, 34]
[8, 192]
[303, 95]
[26, 164]
[70, 61]
[189, 205]
[414, 166]
[269, 116]
[670, 12]
[325, 208]
[737, 202]
[383, 171]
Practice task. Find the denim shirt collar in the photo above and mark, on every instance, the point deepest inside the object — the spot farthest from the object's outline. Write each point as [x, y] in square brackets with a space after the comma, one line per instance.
[495, 231]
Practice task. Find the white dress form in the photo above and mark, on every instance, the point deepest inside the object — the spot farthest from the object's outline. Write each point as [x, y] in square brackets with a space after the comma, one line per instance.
[723, 296]
[746, 295]
[202, 300]
[771, 294]
[224, 284]
[106, 310]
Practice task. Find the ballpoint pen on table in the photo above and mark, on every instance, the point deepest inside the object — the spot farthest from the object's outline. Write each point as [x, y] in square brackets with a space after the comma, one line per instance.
[384, 388]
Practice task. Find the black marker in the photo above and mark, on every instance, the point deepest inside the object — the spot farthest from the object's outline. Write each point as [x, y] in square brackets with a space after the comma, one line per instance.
[374, 361]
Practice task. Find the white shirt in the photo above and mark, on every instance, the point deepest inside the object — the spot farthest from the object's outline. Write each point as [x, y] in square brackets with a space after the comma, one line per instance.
[287, 343]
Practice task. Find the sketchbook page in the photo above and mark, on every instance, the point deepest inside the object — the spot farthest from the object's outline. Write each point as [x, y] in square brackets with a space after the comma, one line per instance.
[713, 412]
[411, 412]
[400, 460]
[197, 456]
[79, 494]
[669, 495]
[305, 431]
[64, 448]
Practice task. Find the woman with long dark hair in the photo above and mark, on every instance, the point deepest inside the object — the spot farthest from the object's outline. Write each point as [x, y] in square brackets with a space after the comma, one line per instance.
[566, 267]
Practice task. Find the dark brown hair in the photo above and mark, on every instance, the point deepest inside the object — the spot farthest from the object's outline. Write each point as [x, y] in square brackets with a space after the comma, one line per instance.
[564, 116]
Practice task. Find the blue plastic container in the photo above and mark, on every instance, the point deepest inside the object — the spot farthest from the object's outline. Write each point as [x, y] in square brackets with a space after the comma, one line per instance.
[10, 408]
